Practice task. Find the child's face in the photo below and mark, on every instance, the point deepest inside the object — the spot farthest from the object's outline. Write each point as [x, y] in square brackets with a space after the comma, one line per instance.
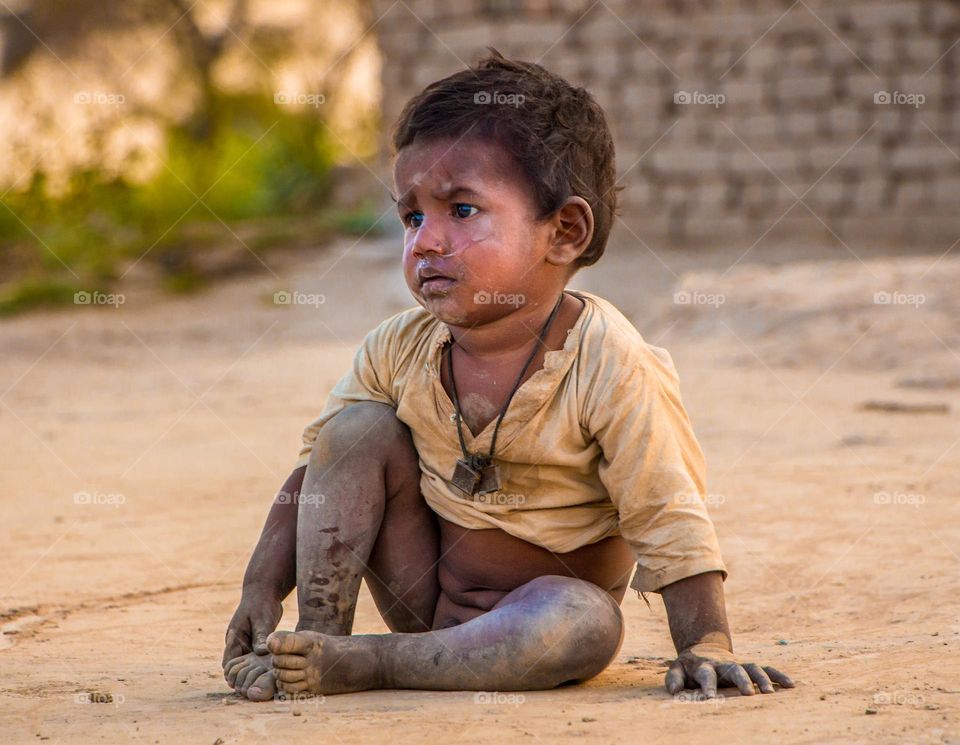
[473, 249]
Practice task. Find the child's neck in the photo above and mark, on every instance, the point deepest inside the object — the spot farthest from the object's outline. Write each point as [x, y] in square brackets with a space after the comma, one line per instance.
[512, 334]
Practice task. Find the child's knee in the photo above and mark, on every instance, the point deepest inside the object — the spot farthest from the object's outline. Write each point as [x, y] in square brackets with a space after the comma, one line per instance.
[367, 429]
[586, 628]
[575, 594]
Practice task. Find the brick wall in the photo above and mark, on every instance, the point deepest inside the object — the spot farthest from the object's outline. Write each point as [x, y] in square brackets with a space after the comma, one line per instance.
[783, 137]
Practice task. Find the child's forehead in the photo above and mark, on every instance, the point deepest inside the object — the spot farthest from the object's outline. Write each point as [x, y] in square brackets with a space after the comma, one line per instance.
[443, 165]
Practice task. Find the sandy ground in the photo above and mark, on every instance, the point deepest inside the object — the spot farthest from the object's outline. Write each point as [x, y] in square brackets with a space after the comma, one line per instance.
[142, 445]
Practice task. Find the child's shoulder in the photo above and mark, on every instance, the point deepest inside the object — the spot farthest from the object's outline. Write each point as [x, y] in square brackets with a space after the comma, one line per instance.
[609, 341]
[407, 330]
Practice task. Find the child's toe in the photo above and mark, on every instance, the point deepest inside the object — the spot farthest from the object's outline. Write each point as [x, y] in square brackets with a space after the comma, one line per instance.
[290, 661]
[291, 676]
[275, 641]
[263, 688]
[289, 642]
[236, 660]
[250, 675]
[298, 687]
[234, 671]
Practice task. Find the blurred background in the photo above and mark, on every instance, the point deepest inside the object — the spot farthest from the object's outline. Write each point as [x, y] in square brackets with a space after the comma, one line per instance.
[196, 232]
[192, 139]
[178, 139]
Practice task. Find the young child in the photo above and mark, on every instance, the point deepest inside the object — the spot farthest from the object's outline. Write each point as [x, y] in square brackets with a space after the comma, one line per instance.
[499, 459]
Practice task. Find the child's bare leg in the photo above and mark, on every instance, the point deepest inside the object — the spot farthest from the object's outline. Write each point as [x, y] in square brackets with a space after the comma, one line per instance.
[546, 632]
[360, 515]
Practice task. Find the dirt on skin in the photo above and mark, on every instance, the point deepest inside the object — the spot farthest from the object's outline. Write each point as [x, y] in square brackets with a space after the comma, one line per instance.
[143, 443]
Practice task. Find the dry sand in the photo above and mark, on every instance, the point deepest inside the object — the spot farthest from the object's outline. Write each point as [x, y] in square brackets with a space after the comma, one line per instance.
[176, 420]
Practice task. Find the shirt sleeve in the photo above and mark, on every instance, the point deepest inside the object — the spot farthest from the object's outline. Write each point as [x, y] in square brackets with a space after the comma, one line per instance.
[653, 469]
[370, 378]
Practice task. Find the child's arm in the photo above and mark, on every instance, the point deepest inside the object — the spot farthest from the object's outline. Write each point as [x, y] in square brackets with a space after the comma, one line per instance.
[654, 470]
[698, 625]
[270, 575]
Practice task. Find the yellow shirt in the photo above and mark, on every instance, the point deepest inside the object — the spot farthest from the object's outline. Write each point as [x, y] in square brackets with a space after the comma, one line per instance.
[594, 444]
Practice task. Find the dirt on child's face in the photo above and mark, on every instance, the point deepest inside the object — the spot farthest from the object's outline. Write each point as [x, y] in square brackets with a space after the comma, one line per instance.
[473, 249]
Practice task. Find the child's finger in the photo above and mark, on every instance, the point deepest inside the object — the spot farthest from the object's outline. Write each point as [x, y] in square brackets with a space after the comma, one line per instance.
[675, 678]
[777, 677]
[706, 676]
[759, 677]
[734, 674]
[260, 640]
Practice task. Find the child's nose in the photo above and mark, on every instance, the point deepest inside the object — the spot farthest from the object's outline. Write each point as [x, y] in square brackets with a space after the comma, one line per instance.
[429, 239]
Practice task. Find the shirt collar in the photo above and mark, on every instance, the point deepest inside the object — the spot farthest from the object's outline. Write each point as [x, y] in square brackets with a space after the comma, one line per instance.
[553, 360]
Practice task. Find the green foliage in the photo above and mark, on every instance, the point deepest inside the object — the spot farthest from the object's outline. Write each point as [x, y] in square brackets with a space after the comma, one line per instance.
[245, 159]
[32, 293]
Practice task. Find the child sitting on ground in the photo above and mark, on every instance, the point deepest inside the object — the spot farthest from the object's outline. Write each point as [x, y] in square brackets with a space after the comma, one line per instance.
[499, 459]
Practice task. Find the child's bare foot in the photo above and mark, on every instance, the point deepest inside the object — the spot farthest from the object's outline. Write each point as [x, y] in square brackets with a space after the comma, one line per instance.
[252, 675]
[310, 662]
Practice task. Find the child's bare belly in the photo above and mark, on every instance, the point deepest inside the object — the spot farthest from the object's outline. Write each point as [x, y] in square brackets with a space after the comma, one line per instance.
[479, 567]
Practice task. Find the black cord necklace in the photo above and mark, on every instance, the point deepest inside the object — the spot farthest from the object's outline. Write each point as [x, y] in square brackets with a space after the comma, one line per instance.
[476, 473]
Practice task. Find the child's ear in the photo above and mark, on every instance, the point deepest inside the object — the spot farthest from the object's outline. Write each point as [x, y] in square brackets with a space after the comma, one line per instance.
[573, 230]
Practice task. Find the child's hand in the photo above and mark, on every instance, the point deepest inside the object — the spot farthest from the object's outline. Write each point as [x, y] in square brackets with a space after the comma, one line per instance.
[706, 665]
[255, 619]
[698, 625]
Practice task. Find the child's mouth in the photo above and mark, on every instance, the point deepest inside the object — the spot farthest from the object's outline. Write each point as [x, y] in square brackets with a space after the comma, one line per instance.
[436, 285]
[433, 281]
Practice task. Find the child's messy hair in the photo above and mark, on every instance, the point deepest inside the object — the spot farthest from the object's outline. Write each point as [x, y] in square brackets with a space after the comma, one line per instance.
[557, 133]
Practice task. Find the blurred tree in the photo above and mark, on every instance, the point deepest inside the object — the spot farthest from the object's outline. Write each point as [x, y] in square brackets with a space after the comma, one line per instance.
[200, 149]
[61, 27]
[30, 25]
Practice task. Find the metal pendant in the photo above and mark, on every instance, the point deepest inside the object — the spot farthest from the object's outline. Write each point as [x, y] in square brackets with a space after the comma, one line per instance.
[489, 480]
[465, 478]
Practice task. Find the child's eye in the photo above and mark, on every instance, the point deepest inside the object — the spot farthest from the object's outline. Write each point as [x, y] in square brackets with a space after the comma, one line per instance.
[463, 210]
[410, 217]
